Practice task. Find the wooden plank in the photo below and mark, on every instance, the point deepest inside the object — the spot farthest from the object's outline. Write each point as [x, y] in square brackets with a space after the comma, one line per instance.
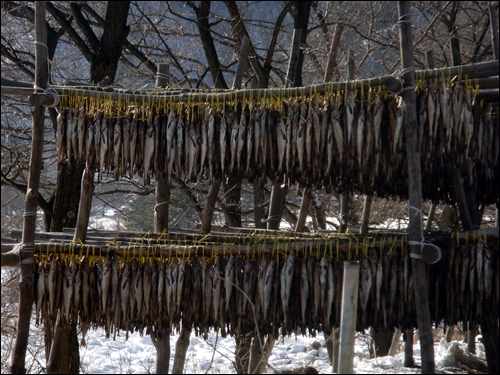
[419, 274]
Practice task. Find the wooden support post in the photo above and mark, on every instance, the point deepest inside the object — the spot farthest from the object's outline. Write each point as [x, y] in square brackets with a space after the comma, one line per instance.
[419, 273]
[30, 207]
[348, 317]
[162, 190]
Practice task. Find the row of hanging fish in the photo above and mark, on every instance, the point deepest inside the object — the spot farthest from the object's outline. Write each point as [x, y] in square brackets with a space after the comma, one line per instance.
[237, 293]
[350, 140]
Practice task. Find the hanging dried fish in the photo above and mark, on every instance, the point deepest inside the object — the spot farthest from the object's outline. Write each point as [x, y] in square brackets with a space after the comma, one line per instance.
[444, 105]
[140, 147]
[193, 144]
[487, 274]
[169, 290]
[242, 135]
[225, 124]
[125, 296]
[115, 288]
[350, 117]
[67, 291]
[304, 293]
[338, 135]
[281, 140]
[89, 143]
[208, 293]
[52, 284]
[398, 131]
[301, 136]
[97, 140]
[250, 137]
[131, 300]
[262, 140]
[360, 130]
[229, 279]
[233, 141]
[154, 301]
[330, 293]
[268, 286]
[149, 150]
[81, 134]
[204, 142]
[366, 285]
[134, 133]
[74, 135]
[138, 292]
[40, 291]
[309, 142]
[378, 283]
[85, 313]
[103, 151]
[69, 133]
[171, 136]
[161, 287]
[146, 292]
[261, 281]
[317, 292]
[468, 119]
[180, 283]
[286, 283]
[211, 142]
[250, 278]
[216, 290]
[422, 120]
[126, 143]
[117, 149]
[61, 136]
[378, 109]
[180, 134]
[106, 282]
[111, 141]
[457, 105]
[256, 134]
[77, 288]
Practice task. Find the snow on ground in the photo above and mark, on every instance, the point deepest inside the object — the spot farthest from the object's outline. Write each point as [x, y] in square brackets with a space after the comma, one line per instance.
[215, 355]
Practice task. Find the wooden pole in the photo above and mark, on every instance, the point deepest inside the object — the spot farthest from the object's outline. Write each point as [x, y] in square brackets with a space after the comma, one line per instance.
[162, 190]
[415, 189]
[348, 317]
[473, 71]
[30, 208]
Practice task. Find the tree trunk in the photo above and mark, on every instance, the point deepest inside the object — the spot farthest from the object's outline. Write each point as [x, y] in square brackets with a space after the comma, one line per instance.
[242, 356]
[180, 350]
[162, 346]
[65, 352]
[67, 196]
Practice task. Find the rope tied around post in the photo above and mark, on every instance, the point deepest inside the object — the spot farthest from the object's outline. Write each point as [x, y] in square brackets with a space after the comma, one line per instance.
[429, 257]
